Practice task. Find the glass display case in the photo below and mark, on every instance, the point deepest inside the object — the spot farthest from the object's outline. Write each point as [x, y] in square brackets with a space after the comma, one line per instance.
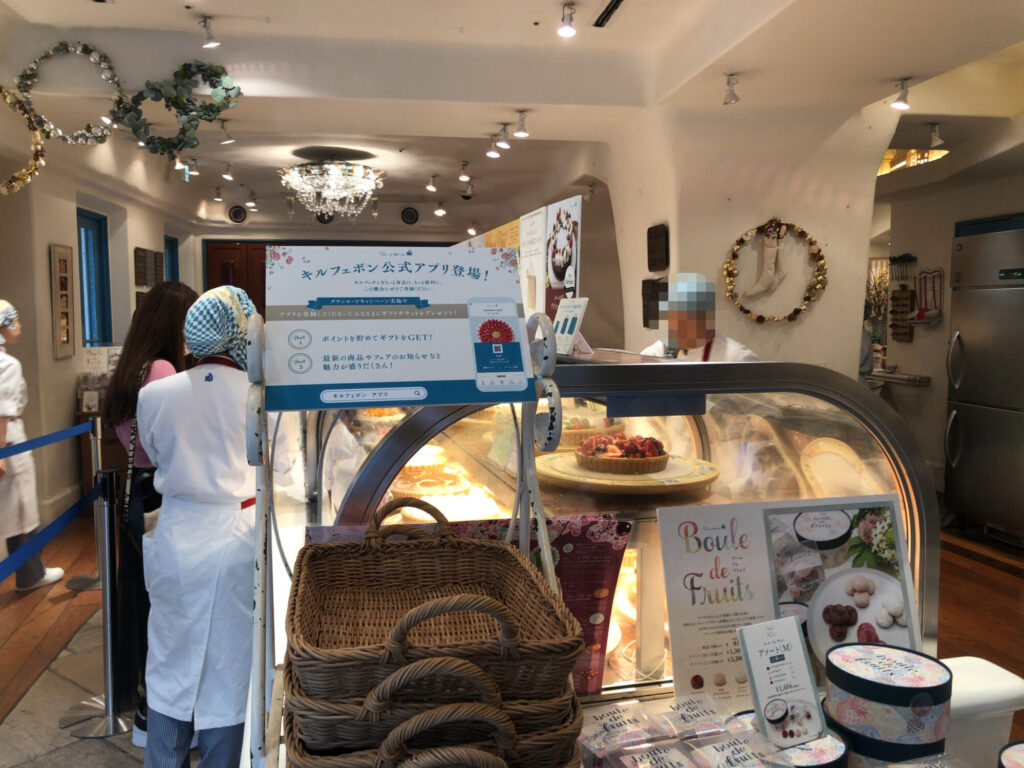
[732, 432]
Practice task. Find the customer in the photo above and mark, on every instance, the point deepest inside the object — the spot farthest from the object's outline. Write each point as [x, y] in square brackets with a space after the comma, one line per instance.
[154, 348]
[19, 513]
[200, 562]
[686, 309]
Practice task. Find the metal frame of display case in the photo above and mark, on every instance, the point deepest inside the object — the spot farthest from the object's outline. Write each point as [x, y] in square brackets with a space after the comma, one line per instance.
[672, 387]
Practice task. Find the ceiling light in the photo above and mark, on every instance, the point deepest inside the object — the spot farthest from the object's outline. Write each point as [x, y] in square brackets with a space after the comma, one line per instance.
[373, 208]
[210, 41]
[331, 186]
[217, 196]
[431, 186]
[142, 143]
[471, 229]
[493, 151]
[193, 167]
[937, 140]
[228, 138]
[901, 103]
[731, 81]
[106, 120]
[520, 132]
[502, 141]
[567, 29]
[178, 165]
[251, 202]
[589, 194]
[440, 211]
[227, 174]
[463, 176]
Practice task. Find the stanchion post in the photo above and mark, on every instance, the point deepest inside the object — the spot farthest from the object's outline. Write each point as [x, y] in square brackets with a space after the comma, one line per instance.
[85, 582]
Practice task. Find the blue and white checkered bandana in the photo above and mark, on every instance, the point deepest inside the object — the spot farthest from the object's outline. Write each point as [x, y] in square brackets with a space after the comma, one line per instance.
[217, 323]
[8, 314]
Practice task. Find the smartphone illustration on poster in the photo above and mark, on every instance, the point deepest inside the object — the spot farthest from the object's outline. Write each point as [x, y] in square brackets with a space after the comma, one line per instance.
[494, 330]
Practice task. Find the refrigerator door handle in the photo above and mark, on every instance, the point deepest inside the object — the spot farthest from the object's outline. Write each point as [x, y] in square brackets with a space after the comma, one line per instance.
[955, 382]
[950, 458]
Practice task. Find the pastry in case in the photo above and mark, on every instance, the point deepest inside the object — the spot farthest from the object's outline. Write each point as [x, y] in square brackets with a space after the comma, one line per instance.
[622, 455]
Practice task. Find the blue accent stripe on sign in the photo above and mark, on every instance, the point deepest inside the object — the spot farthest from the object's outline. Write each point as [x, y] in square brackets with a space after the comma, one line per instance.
[308, 396]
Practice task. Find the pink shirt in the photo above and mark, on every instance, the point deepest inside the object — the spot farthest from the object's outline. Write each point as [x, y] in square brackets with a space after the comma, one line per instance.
[159, 369]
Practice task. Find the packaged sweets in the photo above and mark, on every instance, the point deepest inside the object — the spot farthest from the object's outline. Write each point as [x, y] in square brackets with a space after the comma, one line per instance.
[728, 750]
[684, 717]
[666, 754]
[935, 761]
[609, 729]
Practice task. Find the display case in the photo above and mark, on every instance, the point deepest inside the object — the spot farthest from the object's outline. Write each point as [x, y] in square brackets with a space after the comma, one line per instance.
[732, 432]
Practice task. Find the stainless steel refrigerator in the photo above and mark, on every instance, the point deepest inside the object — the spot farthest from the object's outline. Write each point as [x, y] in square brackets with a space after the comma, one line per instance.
[984, 439]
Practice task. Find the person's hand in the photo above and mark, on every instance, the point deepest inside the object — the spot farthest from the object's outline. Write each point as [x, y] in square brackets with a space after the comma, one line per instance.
[3, 468]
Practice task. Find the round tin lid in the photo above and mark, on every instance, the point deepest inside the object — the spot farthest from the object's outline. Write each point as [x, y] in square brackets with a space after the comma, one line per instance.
[775, 711]
[889, 674]
[1012, 755]
[822, 529]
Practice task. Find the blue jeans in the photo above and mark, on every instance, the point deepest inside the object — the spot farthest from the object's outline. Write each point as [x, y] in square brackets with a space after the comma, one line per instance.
[167, 742]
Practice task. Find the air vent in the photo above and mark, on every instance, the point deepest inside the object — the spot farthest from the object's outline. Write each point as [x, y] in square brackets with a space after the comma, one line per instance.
[606, 15]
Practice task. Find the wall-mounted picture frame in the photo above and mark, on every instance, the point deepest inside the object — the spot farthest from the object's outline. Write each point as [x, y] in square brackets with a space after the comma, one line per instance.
[149, 267]
[62, 300]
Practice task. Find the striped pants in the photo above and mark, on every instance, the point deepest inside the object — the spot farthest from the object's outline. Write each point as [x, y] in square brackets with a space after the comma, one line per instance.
[167, 743]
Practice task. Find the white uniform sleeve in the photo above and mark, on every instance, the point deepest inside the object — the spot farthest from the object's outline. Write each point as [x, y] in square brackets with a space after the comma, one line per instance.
[145, 414]
[12, 387]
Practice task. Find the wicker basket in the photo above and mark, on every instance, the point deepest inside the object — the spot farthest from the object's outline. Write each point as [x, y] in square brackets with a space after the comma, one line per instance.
[364, 723]
[359, 611]
[622, 466]
[553, 747]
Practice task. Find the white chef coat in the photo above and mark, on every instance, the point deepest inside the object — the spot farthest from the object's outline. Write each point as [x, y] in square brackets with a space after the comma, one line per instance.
[199, 562]
[19, 510]
[723, 350]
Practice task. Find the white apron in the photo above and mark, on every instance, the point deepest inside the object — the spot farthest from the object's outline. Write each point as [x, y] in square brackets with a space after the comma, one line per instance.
[19, 510]
[199, 565]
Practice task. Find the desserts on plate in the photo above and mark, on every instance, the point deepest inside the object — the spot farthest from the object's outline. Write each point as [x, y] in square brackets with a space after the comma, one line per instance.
[622, 455]
[578, 429]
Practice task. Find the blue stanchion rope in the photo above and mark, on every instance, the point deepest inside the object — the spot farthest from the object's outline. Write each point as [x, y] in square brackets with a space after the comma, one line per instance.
[48, 534]
[39, 442]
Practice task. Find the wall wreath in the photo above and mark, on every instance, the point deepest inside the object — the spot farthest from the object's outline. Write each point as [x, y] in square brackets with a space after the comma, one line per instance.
[21, 177]
[774, 231]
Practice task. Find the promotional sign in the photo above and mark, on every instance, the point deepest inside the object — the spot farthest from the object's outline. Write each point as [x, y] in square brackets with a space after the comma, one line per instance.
[348, 327]
[562, 252]
[785, 697]
[567, 324]
[532, 265]
[838, 565]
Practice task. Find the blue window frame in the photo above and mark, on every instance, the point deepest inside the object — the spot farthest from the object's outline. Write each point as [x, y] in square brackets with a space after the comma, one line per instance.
[170, 258]
[94, 267]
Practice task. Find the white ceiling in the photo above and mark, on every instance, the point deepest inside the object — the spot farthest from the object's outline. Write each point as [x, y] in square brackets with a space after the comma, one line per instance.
[422, 83]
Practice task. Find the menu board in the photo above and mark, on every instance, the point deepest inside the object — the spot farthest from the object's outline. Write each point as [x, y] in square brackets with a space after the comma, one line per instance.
[839, 565]
[357, 326]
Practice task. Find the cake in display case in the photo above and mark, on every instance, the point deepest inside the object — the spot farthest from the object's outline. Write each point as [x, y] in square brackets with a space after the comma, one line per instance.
[698, 435]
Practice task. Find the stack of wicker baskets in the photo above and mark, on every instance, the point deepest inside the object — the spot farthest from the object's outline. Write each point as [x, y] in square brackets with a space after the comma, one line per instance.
[427, 652]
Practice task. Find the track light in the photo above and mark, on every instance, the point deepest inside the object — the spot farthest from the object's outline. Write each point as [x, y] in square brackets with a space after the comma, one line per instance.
[373, 208]
[467, 193]
[142, 143]
[431, 186]
[936, 140]
[493, 151]
[502, 142]
[567, 29]
[178, 165]
[471, 229]
[589, 194]
[463, 176]
[217, 196]
[520, 132]
[228, 138]
[227, 174]
[901, 103]
[251, 202]
[210, 41]
[440, 211]
[193, 167]
[731, 81]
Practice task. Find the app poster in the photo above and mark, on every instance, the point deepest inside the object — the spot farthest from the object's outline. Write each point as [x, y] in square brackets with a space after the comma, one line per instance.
[532, 264]
[716, 568]
[562, 252]
[587, 551]
[365, 326]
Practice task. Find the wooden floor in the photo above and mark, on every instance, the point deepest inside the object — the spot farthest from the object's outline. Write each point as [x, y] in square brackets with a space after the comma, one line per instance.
[981, 610]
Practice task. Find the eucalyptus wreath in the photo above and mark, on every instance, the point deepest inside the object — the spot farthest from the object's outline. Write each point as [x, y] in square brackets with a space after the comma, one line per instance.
[90, 134]
[176, 94]
[23, 176]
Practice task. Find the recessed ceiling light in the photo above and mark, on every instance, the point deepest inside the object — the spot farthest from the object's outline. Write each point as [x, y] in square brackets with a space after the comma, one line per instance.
[567, 29]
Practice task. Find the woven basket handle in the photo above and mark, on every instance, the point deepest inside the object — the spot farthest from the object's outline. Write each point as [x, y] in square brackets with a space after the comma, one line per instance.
[379, 699]
[450, 757]
[412, 531]
[393, 748]
[373, 537]
[396, 645]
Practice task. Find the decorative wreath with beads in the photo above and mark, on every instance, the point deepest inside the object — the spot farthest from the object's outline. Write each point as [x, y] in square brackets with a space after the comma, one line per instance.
[776, 228]
[176, 94]
[21, 177]
[90, 134]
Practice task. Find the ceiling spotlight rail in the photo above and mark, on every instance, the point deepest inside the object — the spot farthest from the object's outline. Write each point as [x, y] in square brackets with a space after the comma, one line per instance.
[332, 187]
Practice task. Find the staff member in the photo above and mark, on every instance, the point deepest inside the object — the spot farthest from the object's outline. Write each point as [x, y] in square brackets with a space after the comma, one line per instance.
[200, 562]
[686, 310]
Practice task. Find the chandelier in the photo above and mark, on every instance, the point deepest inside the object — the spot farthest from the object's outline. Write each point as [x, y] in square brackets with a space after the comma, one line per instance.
[332, 187]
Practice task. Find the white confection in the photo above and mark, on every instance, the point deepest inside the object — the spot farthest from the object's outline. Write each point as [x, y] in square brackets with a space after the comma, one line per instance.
[862, 599]
[883, 618]
[901, 619]
[894, 605]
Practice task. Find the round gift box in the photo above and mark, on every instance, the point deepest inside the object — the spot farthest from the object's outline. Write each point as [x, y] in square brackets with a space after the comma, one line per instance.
[1012, 755]
[888, 702]
[826, 530]
[829, 751]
